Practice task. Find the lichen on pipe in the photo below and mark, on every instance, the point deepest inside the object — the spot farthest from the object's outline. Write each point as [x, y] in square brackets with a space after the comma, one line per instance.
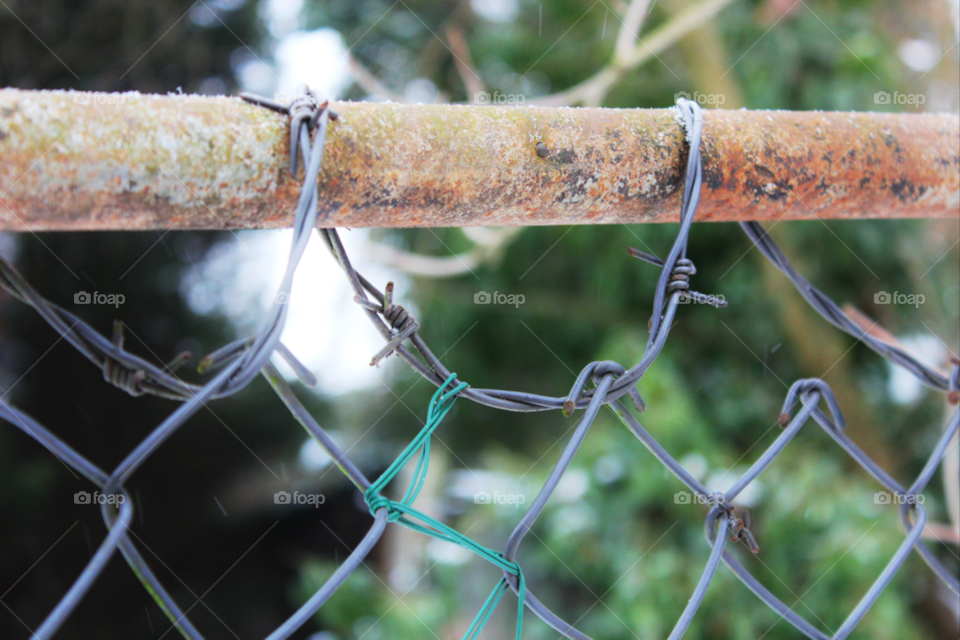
[74, 161]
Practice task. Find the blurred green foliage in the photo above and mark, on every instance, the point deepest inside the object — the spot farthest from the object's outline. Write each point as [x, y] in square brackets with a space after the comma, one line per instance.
[617, 555]
[624, 556]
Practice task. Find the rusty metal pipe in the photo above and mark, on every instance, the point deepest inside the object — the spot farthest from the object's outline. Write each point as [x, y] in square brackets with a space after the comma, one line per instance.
[72, 161]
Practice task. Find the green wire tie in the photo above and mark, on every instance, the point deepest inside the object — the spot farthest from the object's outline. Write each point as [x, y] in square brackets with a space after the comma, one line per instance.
[404, 514]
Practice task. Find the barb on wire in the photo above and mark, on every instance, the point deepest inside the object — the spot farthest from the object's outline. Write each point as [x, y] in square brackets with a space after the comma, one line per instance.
[136, 376]
[680, 279]
[120, 368]
[238, 362]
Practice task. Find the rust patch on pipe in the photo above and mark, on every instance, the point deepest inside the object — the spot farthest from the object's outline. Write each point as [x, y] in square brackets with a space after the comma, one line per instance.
[74, 161]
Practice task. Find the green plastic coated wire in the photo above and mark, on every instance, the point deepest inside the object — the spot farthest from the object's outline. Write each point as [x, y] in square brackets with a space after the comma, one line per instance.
[403, 513]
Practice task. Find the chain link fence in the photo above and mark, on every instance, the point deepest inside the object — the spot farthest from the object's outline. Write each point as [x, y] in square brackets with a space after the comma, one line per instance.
[240, 361]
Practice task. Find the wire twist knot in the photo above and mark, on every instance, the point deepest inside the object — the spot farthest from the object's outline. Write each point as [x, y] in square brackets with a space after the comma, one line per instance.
[680, 275]
[595, 371]
[401, 322]
[679, 280]
[124, 378]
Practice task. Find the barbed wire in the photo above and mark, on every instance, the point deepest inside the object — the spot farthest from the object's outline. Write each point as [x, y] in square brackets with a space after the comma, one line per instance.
[241, 360]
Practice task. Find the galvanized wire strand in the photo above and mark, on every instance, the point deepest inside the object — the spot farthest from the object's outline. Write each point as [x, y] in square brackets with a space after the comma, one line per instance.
[665, 302]
[142, 376]
[239, 372]
[70, 457]
[917, 487]
[322, 438]
[833, 314]
[349, 565]
[525, 402]
[683, 623]
[121, 368]
[241, 360]
[885, 578]
[234, 377]
[805, 390]
[674, 269]
[90, 573]
[603, 375]
[540, 502]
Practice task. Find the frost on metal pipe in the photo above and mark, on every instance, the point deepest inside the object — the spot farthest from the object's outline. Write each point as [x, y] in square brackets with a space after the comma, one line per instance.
[71, 161]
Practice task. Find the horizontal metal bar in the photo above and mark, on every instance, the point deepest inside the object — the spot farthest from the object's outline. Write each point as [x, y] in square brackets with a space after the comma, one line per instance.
[74, 161]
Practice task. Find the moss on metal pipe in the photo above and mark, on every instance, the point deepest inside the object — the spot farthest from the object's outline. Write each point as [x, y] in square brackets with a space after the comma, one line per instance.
[72, 161]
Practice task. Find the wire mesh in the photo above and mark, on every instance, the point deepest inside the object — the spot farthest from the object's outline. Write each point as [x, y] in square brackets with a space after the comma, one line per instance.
[243, 359]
